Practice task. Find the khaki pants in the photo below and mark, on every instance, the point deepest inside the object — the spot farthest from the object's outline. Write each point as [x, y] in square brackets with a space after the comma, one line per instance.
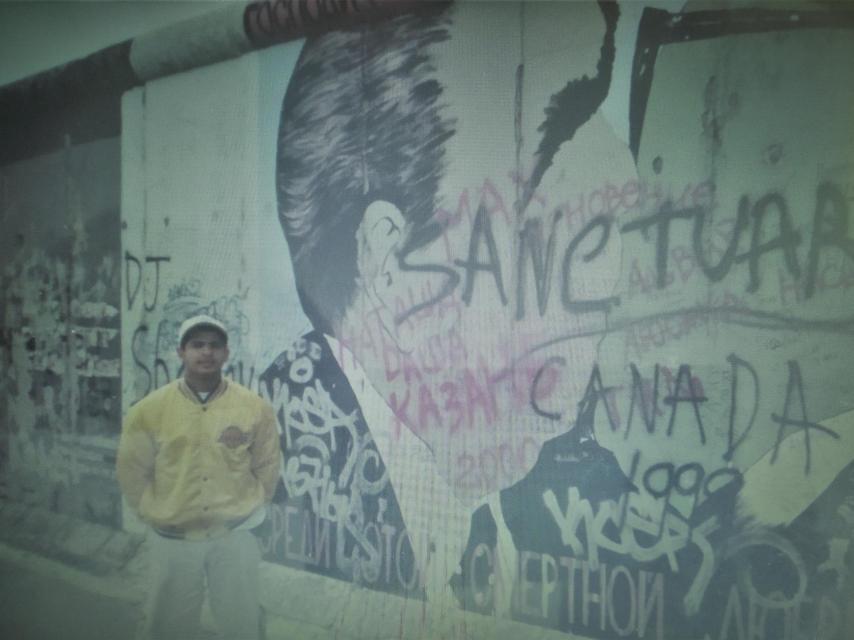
[180, 569]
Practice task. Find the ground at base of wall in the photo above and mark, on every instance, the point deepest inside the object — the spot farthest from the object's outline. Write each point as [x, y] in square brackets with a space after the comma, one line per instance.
[47, 599]
[91, 547]
[64, 560]
[55, 562]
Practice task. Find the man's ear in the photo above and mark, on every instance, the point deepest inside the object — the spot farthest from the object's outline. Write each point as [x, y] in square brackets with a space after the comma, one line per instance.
[380, 235]
[379, 238]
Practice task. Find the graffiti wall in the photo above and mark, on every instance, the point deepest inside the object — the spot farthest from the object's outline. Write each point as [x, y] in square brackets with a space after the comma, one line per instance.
[61, 409]
[199, 233]
[553, 302]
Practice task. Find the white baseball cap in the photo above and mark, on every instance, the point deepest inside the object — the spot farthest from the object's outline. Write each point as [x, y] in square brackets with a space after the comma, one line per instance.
[200, 321]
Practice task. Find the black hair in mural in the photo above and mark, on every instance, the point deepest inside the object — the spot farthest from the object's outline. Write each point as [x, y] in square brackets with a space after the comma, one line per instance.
[361, 121]
[574, 105]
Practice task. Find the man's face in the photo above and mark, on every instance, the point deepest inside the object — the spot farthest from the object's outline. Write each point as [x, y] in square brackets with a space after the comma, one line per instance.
[485, 374]
[204, 353]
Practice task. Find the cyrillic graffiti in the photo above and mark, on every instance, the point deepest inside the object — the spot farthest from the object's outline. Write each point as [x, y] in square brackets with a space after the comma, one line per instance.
[591, 592]
[373, 553]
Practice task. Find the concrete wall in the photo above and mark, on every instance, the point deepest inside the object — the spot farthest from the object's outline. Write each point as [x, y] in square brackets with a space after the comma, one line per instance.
[61, 403]
[569, 335]
[606, 392]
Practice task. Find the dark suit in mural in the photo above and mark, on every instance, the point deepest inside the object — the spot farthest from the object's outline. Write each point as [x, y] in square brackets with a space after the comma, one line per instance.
[335, 511]
[466, 226]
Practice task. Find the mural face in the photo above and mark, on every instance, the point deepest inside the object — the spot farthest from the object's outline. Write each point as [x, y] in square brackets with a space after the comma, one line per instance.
[467, 337]
[462, 328]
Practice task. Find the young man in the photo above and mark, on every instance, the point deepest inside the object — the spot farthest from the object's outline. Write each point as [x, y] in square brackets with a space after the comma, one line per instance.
[198, 461]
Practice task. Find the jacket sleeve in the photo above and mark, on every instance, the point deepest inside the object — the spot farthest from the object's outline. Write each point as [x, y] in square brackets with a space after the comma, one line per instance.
[135, 460]
[266, 452]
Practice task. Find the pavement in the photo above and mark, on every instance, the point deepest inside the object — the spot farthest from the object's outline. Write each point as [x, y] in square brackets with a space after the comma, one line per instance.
[65, 579]
[42, 599]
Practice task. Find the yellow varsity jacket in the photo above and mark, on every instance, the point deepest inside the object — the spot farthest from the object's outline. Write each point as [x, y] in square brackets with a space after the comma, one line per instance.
[196, 469]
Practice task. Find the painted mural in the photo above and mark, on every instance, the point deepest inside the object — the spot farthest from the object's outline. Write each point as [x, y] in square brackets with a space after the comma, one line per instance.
[579, 282]
[553, 301]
